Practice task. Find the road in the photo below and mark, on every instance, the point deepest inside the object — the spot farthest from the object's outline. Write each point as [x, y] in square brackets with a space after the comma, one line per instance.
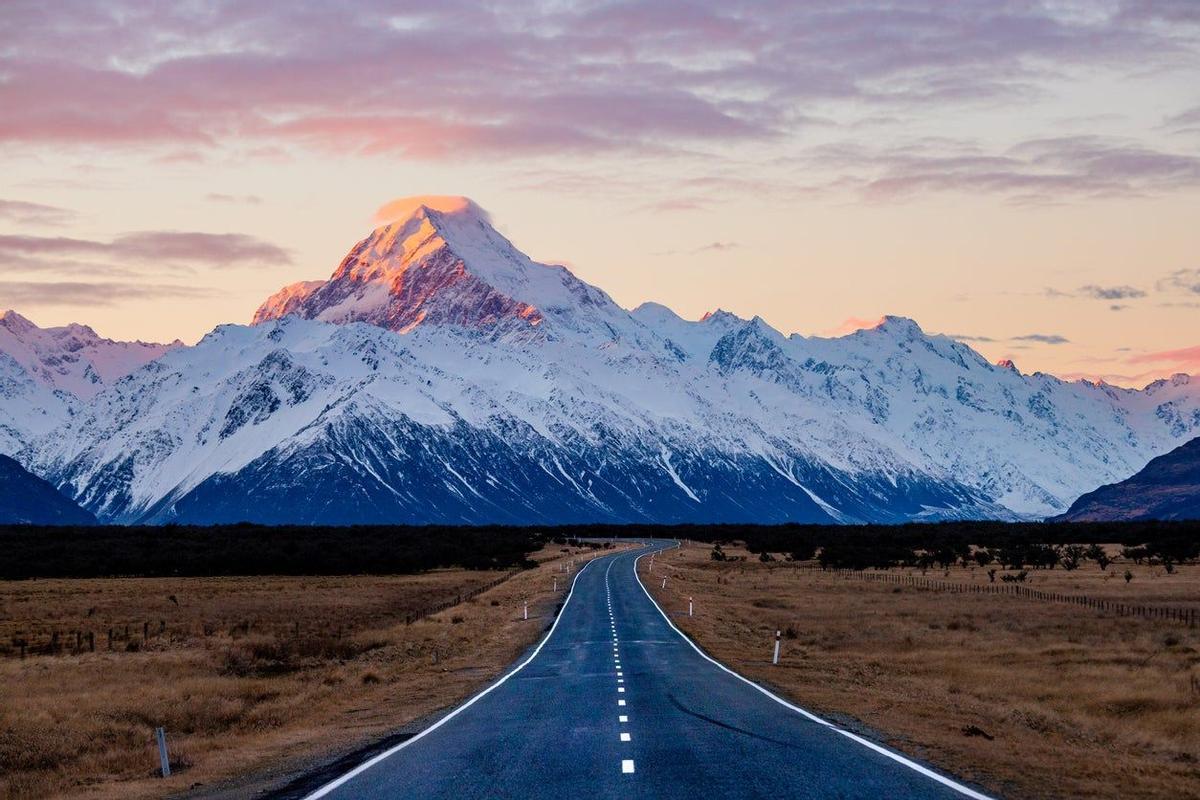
[616, 703]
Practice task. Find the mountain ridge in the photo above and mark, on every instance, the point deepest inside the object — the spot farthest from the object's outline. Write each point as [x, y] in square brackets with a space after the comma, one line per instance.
[1166, 488]
[439, 375]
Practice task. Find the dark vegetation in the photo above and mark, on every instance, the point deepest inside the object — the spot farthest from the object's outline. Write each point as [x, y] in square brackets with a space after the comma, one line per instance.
[96, 552]
[32, 552]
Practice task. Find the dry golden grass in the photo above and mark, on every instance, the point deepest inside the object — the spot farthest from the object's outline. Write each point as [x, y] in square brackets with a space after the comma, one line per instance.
[1078, 703]
[261, 677]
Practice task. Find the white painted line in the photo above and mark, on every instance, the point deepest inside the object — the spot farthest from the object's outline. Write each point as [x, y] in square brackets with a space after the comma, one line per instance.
[620, 688]
[619, 673]
[620, 702]
[928, 773]
[620, 680]
[624, 737]
[622, 718]
[363, 767]
[627, 766]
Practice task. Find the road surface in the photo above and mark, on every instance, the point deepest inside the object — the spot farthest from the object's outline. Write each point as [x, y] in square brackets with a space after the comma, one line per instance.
[616, 703]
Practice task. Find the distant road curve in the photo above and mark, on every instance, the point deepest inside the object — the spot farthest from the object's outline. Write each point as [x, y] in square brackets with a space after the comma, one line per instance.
[616, 702]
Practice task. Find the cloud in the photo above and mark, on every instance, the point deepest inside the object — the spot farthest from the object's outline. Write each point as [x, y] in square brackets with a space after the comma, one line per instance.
[95, 293]
[711, 247]
[245, 199]
[1181, 280]
[852, 324]
[1184, 358]
[1035, 171]
[153, 247]
[1111, 292]
[23, 213]
[1042, 338]
[963, 337]
[376, 78]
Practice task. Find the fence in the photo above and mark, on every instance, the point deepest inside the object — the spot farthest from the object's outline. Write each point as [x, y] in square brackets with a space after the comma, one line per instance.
[1187, 616]
[75, 642]
[459, 598]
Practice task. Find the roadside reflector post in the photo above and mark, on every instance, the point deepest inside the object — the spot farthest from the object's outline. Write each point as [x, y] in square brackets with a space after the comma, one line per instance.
[689, 606]
[651, 562]
[556, 584]
[526, 609]
[664, 583]
[775, 659]
[164, 763]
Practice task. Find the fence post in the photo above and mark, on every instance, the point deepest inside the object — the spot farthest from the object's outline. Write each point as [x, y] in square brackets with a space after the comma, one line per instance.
[164, 762]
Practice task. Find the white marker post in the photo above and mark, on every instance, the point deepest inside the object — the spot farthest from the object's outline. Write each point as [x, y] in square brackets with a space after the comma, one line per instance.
[164, 763]
[527, 610]
[689, 606]
[664, 583]
[651, 562]
[556, 584]
[775, 659]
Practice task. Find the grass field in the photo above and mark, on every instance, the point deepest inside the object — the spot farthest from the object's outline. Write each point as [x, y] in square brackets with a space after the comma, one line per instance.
[251, 676]
[1028, 698]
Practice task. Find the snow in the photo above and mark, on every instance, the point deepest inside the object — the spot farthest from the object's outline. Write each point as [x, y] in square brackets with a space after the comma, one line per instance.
[72, 357]
[430, 321]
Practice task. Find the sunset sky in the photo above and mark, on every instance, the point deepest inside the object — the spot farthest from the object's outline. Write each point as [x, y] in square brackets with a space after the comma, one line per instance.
[1022, 175]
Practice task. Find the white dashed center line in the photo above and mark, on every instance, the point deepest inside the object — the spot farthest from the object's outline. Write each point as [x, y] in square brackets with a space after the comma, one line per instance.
[627, 766]
[622, 718]
[624, 737]
[620, 702]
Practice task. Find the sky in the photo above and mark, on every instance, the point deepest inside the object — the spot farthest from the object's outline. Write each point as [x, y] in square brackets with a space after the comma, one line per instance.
[1024, 176]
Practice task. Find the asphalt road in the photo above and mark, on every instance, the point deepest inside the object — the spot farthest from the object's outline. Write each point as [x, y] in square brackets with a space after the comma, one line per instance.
[617, 703]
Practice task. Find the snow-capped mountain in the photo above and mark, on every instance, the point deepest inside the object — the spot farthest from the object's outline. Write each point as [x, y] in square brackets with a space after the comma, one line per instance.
[73, 357]
[1167, 488]
[441, 376]
[442, 263]
[45, 372]
[28, 408]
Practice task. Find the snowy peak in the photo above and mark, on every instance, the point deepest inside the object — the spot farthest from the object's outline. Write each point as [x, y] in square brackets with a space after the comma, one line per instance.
[438, 261]
[14, 323]
[900, 328]
[73, 358]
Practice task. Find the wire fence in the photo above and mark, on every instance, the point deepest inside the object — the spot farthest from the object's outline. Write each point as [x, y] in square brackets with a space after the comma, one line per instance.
[1186, 616]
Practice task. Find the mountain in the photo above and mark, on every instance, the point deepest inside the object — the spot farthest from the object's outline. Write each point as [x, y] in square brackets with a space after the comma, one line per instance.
[26, 499]
[441, 376]
[73, 357]
[442, 263]
[1167, 488]
[45, 373]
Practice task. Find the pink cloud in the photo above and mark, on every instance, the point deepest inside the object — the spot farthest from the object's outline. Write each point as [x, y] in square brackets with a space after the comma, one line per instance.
[852, 324]
[460, 79]
[1181, 358]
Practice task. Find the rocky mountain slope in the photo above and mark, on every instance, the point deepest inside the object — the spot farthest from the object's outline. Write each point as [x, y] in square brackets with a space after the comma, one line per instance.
[46, 373]
[439, 375]
[73, 357]
[1167, 488]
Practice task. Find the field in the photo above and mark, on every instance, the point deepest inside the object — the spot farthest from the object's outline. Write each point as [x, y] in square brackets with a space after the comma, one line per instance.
[1028, 698]
[251, 676]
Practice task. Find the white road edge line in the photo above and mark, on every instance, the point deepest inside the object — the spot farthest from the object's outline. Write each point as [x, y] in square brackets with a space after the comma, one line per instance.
[366, 765]
[928, 773]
